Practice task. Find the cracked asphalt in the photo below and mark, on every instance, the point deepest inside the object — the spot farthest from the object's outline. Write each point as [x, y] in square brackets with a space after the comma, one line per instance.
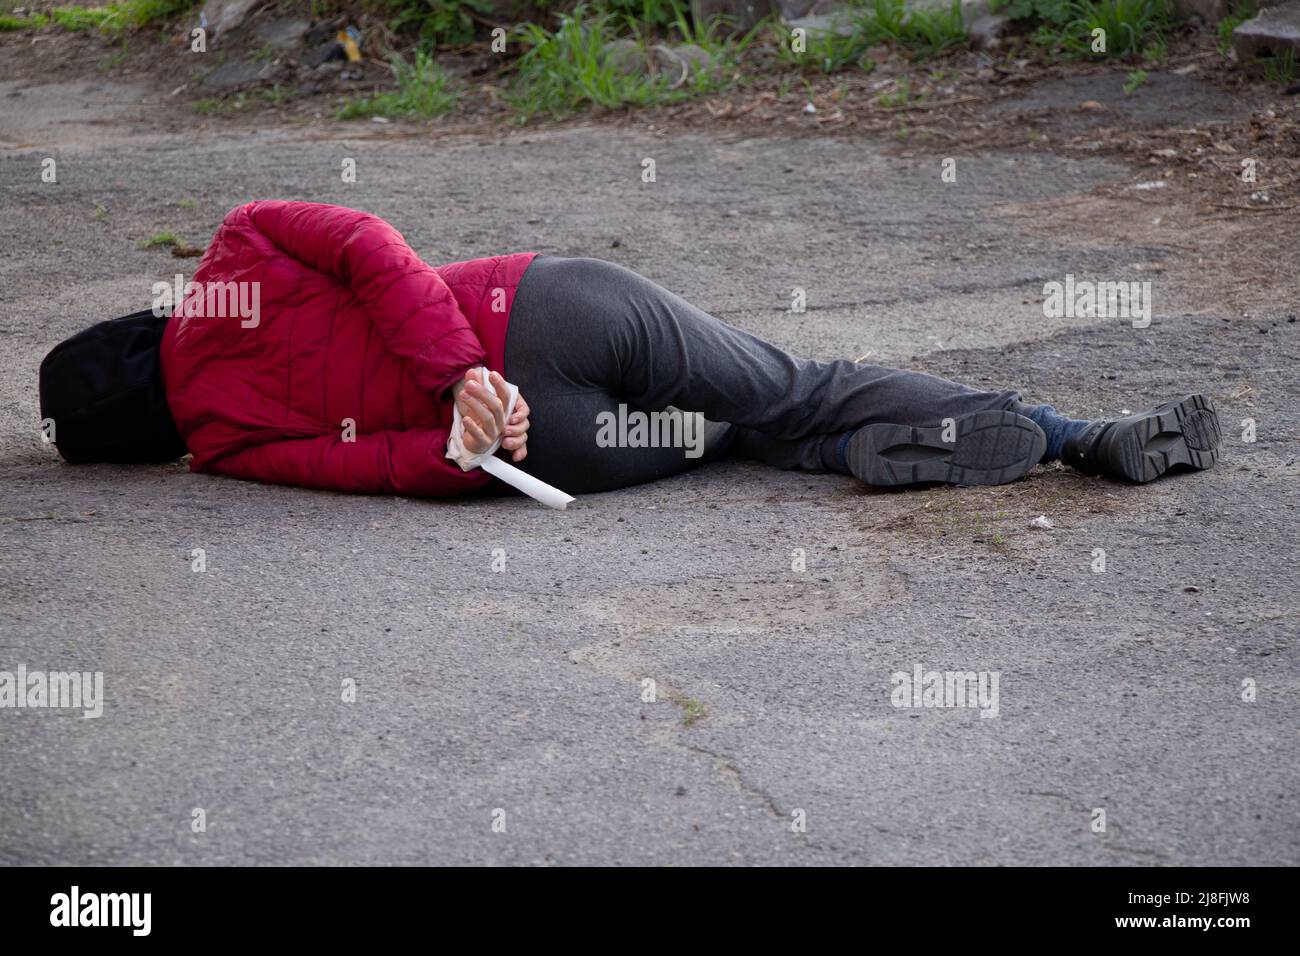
[520, 698]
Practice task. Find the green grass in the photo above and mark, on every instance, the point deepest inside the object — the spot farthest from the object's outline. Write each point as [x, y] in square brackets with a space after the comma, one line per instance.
[1135, 79]
[824, 52]
[693, 711]
[33, 22]
[1156, 51]
[1130, 26]
[565, 71]
[144, 13]
[112, 18]
[925, 31]
[1240, 14]
[423, 92]
[83, 18]
[160, 239]
[1280, 69]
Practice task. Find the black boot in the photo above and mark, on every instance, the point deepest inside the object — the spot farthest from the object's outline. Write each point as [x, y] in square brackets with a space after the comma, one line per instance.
[1143, 447]
[987, 448]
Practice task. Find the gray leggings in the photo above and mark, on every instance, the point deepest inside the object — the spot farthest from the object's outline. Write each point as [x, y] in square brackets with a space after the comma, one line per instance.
[588, 336]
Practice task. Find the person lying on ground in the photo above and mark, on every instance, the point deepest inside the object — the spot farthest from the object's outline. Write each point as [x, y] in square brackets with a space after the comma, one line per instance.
[344, 373]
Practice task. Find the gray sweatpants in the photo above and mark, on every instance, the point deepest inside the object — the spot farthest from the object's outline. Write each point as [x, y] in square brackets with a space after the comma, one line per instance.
[588, 336]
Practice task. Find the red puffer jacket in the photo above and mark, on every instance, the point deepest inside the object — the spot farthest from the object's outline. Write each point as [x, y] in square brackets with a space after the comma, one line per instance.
[350, 324]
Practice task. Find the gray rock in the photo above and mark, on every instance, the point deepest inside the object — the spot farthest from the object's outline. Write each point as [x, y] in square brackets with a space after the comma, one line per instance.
[626, 56]
[1272, 31]
[971, 10]
[282, 34]
[678, 63]
[986, 31]
[234, 74]
[222, 16]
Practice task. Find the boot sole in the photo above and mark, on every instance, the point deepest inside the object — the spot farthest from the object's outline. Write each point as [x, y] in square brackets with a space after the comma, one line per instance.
[1184, 433]
[990, 448]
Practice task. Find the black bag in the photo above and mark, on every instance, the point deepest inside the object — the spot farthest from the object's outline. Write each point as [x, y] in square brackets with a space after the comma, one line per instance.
[103, 390]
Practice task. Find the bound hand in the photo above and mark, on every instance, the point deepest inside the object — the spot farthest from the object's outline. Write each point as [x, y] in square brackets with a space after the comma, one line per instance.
[516, 439]
[483, 410]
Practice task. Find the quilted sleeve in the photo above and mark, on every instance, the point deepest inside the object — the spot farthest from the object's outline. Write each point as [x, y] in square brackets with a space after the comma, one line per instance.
[412, 308]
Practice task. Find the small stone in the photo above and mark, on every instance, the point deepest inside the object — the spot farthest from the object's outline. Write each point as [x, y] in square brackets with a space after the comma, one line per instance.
[696, 58]
[1274, 30]
[627, 57]
[986, 31]
[282, 34]
[222, 16]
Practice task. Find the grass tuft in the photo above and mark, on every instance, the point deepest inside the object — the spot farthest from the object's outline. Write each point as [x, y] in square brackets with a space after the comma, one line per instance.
[423, 91]
[1239, 15]
[160, 239]
[112, 19]
[566, 70]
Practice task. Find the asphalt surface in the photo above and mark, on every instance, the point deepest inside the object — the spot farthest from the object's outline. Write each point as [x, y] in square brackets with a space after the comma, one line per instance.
[517, 697]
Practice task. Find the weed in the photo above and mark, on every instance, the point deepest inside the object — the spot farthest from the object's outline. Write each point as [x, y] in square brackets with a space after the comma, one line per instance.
[566, 70]
[160, 239]
[1135, 79]
[1280, 69]
[693, 710]
[1156, 51]
[10, 23]
[423, 91]
[111, 19]
[825, 51]
[1240, 14]
[1076, 27]
[74, 19]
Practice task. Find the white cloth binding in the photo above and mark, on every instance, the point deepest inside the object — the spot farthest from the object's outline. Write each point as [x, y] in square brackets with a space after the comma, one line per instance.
[538, 490]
